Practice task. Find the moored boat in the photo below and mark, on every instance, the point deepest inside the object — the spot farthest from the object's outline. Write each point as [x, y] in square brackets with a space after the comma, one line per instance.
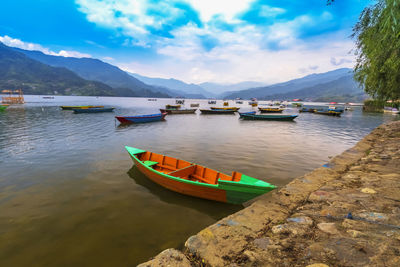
[178, 111]
[195, 180]
[79, 107]
[248, 113]
[93, 110]
[230, 108]
[277, 117]
[172, 106]
[217, 111]
[3, 107]
[141, 118]
[194, 105]
[270, 110]
[391, 110]
[328, 112]
[307, 109]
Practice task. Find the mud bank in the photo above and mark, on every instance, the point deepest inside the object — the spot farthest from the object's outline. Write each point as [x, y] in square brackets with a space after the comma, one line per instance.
[346, 213]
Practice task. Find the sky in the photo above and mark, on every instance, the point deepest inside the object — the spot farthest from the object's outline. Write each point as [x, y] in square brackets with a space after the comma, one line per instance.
[223, 41]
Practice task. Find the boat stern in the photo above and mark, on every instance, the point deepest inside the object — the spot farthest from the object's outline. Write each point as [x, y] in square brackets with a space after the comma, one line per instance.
[238, 192]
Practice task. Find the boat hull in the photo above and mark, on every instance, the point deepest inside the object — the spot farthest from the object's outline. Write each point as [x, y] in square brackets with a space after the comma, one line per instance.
[178, 111]
[268, 117]
[328, 113]
[208, 111]
[223, 191]
[141, 119]
[93, 110]
[3, 107]
[79, 107]
[231, 108]
[269, 110]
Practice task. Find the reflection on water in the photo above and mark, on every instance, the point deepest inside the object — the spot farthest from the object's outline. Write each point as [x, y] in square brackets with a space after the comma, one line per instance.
[69, 194]
[216, 210]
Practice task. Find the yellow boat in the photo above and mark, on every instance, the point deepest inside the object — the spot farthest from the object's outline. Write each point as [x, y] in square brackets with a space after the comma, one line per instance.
[271, 110]
[230, 108]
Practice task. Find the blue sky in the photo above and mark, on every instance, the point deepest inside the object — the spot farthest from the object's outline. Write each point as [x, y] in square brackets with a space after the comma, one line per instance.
[193, 40]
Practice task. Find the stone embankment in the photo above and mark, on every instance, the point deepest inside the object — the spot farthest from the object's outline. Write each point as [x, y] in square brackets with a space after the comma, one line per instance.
[346, 213]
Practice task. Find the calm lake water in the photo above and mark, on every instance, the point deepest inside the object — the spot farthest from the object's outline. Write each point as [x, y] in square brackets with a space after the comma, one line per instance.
[70, 196]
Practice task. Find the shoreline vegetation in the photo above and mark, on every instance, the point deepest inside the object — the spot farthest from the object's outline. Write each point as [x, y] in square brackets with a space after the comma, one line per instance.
[351, 201]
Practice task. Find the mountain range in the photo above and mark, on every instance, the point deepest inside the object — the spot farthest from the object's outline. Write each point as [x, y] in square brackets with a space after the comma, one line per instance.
[39, 73]
[337, 83]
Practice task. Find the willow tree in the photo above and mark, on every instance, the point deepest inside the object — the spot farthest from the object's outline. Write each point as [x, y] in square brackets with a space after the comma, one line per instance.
[377, 35]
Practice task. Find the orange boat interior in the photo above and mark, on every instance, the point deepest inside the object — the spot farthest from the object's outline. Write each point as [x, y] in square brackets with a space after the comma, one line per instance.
[184, 169]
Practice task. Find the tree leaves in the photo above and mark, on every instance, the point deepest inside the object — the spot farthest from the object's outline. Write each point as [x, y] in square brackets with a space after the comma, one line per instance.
[378, 50]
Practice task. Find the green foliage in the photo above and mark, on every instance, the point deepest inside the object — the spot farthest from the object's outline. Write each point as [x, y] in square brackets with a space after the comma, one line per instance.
[377, 35]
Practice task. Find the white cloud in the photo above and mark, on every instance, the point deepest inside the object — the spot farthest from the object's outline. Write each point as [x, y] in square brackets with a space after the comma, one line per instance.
[244, 61]
[13, 42]
[228, 9]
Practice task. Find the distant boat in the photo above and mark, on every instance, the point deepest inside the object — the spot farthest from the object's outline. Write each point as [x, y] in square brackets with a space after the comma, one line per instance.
[276, 117]
[212, 102]
[391, 110]
[172, 106]
[306, 109]
[195, 180]
[141, 118]
[180, 101]
[328, 112]
[333, 103]
[334, 108]
[3, 107]
[93, 110]
[230, 108]
[270, 110]
[48, 97]
[248, 113]
[152, 99]
[178, 111]
[297, 105]
[218, 111]
[239, 102]
[195, 105]
[79, 107]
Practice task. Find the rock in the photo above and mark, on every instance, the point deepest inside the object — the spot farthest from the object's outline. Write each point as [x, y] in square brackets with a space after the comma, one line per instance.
[368, 190]
[262, 243]
[329, 228]
[169, 257]
[318, 196]
[373, 216]
[355, 233]
[301, 220]
[251, 256]
[278, 229]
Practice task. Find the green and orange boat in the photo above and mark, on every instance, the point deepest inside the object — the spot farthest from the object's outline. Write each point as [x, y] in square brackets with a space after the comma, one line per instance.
[3, 107]
[195, 180]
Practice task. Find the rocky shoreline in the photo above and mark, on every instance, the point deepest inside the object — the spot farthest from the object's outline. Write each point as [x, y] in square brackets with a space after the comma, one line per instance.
[346, 213]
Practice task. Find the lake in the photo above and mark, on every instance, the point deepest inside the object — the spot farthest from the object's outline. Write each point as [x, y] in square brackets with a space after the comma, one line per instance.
[70, 196]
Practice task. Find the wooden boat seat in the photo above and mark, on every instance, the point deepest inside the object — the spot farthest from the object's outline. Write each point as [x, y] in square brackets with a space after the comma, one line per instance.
[150, 163]
[184, 172]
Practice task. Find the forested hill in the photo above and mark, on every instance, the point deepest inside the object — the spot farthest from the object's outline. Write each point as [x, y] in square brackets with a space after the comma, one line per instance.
[97, 70]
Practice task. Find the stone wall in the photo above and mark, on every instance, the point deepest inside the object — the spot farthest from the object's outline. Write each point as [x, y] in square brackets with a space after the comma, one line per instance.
[344, 214]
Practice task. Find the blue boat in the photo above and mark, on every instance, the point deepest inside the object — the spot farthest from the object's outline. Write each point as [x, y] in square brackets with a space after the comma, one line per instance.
[247, 113]
[141, 118]
[280, 117]
[93, 110]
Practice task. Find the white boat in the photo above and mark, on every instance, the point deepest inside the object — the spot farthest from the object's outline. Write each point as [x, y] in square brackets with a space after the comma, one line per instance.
[391, 110]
